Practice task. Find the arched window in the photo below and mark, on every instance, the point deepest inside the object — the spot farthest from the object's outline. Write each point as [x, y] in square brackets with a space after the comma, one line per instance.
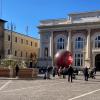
[60, 43]
[79, 43]
[97, 42]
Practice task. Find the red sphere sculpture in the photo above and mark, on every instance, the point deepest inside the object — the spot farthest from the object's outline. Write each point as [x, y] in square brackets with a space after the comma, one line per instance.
[63, 58]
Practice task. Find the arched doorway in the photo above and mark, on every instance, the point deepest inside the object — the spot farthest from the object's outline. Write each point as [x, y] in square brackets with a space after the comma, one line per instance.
[97, 62]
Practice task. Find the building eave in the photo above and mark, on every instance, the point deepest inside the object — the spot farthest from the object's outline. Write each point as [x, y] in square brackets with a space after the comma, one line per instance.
[3, 20]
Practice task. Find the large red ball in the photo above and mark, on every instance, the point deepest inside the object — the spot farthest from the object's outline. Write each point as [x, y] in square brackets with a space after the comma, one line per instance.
[63, 58]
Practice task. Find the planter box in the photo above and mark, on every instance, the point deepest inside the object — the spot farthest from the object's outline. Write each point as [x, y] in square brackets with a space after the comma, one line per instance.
[28, 73]
[23, 73]
[4, 72]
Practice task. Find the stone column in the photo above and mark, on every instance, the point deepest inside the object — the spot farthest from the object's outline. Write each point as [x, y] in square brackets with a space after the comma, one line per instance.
[69, 41]
[40, 45]
[87, 58]
[88, 45]
[52, 49]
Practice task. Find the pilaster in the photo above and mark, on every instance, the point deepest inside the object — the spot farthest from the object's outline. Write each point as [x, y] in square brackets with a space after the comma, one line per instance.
[52, 50]
[69, 41]
[40, 45]
[87, 58]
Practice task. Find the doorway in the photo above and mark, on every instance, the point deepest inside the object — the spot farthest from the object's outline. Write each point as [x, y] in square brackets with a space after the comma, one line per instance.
[97, 62]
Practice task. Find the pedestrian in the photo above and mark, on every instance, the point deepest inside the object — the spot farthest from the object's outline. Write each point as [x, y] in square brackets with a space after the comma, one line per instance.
[17, 69]
[64, 72]
[95, 70]
[86, 73]
[60, 72]
[49, 70]
[70, 73]
[54, 71]
[92, 74]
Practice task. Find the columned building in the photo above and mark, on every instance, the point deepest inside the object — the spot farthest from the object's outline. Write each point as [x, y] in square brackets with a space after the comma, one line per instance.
[79, 33]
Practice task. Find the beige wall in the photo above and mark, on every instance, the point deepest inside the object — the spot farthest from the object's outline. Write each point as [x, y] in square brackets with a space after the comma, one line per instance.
[18, 46]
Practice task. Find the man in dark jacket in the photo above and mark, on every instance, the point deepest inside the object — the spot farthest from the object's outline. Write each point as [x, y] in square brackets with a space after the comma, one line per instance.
[86, 74]
[17, 69]
[70, 73]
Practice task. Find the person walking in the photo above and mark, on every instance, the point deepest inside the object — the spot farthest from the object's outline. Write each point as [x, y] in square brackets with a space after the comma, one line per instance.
[54, 71]
[95, 70]
[17, 69]
[60, 72]
[64, 72]
[86, 73]
[70, 73]
[49, 70]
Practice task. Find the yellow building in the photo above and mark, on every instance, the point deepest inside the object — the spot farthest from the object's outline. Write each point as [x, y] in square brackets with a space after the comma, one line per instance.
[17, 46]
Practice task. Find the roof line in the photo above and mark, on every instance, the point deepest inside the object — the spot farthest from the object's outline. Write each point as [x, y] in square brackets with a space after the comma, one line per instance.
[85, 12]
[22, 34]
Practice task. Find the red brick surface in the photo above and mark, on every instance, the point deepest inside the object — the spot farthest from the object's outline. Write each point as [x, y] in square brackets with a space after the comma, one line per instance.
[4, 72]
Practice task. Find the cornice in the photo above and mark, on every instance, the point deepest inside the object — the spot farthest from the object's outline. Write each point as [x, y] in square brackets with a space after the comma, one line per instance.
[71, 26]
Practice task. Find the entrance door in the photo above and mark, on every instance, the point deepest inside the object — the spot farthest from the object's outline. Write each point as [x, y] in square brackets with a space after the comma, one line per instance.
[97, 62]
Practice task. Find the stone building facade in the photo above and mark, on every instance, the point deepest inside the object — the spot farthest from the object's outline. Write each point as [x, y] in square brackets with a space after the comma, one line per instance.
[79, 33]
[17, 46]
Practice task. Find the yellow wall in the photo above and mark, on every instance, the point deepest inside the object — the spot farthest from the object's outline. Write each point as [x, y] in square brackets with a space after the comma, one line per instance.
[18, 46]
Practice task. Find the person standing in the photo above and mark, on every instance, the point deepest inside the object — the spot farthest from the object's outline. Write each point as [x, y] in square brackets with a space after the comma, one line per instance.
[17, 69]
[70, 73]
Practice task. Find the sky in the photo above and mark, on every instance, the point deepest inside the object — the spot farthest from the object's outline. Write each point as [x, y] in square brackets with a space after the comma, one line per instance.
[23, 13]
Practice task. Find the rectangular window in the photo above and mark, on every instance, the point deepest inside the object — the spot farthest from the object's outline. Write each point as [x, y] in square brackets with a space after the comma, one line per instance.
[78, 59]
[8, 37]
[15, 39]
[46, 52]
[21, 41]
[21, 54]
[31, 43]
[15, 53]
[8, 51]
[27, 42]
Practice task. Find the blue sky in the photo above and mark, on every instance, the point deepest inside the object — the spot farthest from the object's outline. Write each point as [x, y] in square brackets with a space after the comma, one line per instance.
[30, 12]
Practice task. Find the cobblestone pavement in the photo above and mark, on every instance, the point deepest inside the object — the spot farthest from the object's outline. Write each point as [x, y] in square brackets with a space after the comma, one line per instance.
[54, 89]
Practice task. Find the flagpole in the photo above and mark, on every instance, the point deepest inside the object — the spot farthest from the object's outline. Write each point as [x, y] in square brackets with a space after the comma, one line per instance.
[1, 9]
[27, 29]
[11, 38]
